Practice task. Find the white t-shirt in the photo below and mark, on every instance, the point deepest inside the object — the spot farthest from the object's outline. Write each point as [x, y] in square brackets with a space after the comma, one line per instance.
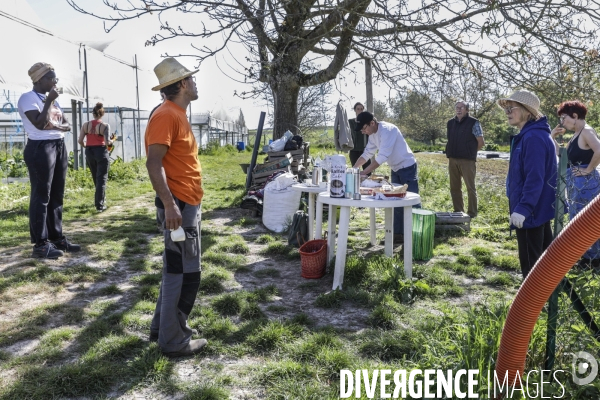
[33, 101]
[390, 146]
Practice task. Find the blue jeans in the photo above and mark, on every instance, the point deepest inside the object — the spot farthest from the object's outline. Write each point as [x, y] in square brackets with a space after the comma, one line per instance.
[581, 190]
[403, 176]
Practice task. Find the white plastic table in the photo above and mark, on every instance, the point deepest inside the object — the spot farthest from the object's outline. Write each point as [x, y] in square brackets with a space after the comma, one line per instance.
[312, 191]
[407, 202]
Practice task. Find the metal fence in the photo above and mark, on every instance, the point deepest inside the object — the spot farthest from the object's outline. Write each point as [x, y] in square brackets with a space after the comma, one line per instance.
[127, 124]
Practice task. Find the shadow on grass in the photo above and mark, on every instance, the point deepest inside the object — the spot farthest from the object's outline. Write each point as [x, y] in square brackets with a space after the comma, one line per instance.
[106, 353]
[15, 226]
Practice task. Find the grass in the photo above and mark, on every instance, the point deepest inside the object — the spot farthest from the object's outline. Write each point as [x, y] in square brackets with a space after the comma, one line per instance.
[82, 324]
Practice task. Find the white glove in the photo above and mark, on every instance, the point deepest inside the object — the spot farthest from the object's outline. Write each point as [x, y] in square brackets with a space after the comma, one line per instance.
[517, 220]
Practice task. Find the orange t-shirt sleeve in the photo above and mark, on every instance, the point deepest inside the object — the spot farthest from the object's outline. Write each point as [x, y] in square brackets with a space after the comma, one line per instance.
[162, 129]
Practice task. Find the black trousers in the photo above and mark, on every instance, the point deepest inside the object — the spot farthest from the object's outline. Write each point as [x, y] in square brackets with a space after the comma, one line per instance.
[532, 243]
[355, 155]
[47, 162]
[98, 161]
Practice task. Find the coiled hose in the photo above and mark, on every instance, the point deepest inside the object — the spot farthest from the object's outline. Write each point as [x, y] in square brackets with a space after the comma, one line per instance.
[550, 269]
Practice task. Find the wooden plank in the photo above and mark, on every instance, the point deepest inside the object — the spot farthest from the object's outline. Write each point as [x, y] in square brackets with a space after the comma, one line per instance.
[295, 157]
[269, 161]
[255, 148]
[284, 152]
[270, 172]
[273, 165]
[258, 181]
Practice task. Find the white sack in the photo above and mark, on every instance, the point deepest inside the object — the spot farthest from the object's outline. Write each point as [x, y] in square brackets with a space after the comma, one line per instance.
[279, 206]
[282, 182]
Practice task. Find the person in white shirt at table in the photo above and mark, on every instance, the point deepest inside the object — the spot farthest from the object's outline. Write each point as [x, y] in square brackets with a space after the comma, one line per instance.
[387, 141]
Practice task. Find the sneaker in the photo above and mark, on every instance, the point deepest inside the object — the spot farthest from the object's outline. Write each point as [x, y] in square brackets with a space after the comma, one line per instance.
[64, 245]
[102, 208]
[193, 347]
[154, 335]
[47, 250]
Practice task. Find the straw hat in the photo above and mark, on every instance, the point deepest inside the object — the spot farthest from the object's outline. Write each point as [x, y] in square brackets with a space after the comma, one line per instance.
[38, 70]
[169, 71]
[525, 98]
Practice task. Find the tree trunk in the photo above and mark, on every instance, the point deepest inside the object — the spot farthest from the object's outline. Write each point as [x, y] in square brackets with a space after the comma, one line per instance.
[285, 98]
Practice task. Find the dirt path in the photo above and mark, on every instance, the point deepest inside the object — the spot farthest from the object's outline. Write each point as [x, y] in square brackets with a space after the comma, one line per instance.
[297, 294]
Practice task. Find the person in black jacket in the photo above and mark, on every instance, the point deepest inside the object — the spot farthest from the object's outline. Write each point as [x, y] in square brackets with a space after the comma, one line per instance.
[465, 139]
[360, 140]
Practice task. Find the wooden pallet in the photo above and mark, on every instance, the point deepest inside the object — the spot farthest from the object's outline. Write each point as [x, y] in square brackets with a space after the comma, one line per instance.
[273, 165]
[452, 220]
[258, 178]
[300, 170]
[275, 154]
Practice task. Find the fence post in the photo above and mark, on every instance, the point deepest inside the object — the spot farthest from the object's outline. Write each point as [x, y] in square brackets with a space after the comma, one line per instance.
[559, 206]
[261, 122]
[80, 113]
[75, 131]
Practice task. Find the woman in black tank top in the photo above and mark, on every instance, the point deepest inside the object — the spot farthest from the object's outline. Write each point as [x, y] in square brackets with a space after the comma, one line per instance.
[583, 154]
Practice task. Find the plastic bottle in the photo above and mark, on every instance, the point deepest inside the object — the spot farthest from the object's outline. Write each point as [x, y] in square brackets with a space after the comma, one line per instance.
[349, 183]
[317, 174]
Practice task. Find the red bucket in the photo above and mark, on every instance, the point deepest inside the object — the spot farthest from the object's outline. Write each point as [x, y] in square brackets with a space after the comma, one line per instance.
[313, 257]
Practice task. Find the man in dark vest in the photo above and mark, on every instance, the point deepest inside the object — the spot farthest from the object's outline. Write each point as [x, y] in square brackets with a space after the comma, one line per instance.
[465, 139]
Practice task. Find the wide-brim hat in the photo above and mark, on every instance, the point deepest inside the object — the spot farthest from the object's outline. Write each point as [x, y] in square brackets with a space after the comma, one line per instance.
[169, 71]
[525, 98]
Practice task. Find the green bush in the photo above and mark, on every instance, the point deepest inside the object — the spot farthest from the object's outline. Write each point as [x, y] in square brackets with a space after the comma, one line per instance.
[388, 346]
[128, 171]
[251, 311]
[417, 147]
[271, 336]
[213, 283]
[502, 279]
[228, 304]
[263, 294]
[482, 254]
[214, 149]
[510, 263]
[332, 299]
[13, 167]
[265, 238]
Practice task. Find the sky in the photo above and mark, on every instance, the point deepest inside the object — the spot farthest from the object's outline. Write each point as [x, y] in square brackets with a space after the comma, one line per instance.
[216, 89]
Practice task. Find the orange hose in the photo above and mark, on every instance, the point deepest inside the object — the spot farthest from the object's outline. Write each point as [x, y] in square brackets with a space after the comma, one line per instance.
[553, 265]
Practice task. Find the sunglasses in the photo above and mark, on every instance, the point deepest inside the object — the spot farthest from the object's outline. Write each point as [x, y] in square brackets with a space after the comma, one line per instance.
[509, 110]
[54, 80]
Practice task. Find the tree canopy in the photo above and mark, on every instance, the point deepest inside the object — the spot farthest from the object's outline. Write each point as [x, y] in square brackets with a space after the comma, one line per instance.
[406, 40]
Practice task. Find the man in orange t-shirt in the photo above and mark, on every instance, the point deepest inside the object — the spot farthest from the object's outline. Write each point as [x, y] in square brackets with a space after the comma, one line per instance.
[176, 176]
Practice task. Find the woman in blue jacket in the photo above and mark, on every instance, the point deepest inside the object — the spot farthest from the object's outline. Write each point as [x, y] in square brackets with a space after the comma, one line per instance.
[531, 180]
